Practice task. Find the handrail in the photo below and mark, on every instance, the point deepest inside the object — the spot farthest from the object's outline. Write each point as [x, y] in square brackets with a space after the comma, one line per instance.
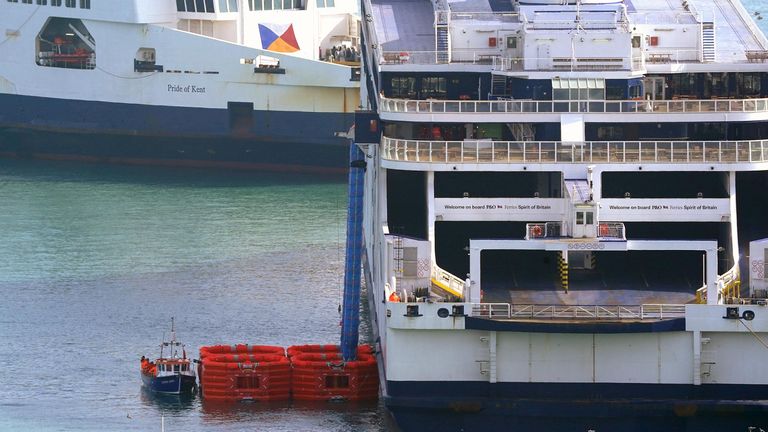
[392, 105]
[597, 312]
[447, 281]
[489, 151]
[729, 283]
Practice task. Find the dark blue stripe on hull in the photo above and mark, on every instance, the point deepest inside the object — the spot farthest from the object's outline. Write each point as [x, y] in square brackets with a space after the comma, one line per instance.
[544, 326]
[411, 390]
[557, 419]
[127, 133]
[468, 406]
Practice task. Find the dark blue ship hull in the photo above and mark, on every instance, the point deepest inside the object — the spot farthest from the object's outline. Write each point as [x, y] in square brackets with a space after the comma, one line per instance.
[475, 406]
[46, 128]
[174, 384]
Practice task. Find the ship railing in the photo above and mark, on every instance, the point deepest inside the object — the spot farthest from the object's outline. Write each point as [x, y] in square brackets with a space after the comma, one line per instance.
[543, 230]
[597, 312]
[486, 16]
[448, 282]
[619, 152]
[729, 284]
[611, 230]
[503, 104]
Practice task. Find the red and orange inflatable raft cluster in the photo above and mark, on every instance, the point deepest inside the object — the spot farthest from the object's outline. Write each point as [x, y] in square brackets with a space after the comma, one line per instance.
[231, 373]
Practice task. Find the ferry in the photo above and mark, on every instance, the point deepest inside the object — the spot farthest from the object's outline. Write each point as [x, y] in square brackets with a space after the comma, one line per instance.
[563, 208]
[172, 373]
[256, 84]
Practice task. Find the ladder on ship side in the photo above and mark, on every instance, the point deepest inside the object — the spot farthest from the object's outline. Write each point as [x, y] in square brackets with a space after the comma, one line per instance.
[397, 258]
[442, 37]
[498, 85]
[708, 42]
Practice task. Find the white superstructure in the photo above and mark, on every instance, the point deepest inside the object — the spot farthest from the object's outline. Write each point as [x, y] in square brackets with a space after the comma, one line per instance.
[560, 201]
[219, 69]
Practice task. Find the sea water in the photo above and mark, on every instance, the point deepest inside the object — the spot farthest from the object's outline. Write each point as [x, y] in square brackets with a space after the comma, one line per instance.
[97, 259]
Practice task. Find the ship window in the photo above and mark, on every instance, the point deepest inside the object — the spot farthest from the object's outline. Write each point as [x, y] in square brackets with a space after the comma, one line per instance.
[403, 87]
[233, 5]
[42, 2]
[85, 4]
[248, 382]
[180, 5]
[511, 42]
[590, 218]
[55, 2]
[748, 84]
[277, 4]
[200, 5]
[579, 218]
[325, 3]
[13, 1]
[176, 368]
[765, 263]
[267, 4]
[255, 5]
[223, 7]
[337, 381]
[27, 1]
[433, 87]
[69, 3]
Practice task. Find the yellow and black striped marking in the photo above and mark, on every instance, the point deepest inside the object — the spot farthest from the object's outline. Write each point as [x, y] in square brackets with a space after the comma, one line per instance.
[563, 271]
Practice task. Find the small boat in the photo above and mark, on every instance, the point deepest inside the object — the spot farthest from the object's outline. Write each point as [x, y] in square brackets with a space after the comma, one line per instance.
[172, 374]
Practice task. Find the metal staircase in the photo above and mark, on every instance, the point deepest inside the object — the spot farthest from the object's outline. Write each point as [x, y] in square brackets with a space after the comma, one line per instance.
[708, 42]
[522, 131]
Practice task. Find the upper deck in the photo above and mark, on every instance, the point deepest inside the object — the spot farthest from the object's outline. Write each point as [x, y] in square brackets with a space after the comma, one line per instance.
[631, 37]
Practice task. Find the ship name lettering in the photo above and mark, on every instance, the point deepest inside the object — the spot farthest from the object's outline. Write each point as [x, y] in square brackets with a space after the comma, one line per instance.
[177, 88]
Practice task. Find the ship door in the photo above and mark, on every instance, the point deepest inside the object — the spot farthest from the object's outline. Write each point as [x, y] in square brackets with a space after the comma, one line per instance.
[544, 60]
[584, 222]
[654, 88]
[512, 49]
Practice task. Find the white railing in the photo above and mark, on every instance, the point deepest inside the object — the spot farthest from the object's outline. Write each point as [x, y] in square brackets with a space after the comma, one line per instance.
[388, 105]
[543, 230]
[453, 284]
[728, 283]
[611, 230]
[486, 16]
[489, 151]
[597, 312]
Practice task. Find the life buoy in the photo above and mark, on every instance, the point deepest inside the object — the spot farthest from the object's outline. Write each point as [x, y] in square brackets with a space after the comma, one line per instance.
[604, 230]
[394, 298]
[536, 231]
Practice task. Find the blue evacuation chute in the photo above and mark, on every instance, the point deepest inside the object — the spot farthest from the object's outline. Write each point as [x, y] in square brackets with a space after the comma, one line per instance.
[350, 318]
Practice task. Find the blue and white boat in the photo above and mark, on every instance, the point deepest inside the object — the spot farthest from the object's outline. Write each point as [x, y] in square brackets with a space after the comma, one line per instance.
[172, 374]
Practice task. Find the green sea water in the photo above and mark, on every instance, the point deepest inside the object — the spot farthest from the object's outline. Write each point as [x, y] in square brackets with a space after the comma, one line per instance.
[96, 259]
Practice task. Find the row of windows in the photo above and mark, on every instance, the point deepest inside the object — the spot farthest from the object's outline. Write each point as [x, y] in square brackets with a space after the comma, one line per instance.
[257, 5]
[84, 4]
[206, 6]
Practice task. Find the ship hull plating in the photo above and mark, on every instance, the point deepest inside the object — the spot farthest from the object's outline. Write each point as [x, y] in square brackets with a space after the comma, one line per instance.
[47, 128]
